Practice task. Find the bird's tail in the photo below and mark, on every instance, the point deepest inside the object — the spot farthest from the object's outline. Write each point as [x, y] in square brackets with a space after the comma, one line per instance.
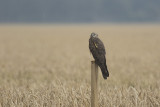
[104, 70]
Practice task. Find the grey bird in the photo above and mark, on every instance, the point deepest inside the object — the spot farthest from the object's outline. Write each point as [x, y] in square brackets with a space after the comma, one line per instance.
[97, 49]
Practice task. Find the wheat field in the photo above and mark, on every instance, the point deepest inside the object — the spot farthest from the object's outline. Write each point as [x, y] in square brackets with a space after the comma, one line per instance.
[50, 65]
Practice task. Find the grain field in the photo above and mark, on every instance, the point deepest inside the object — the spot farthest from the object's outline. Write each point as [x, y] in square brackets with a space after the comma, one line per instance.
[49, 65]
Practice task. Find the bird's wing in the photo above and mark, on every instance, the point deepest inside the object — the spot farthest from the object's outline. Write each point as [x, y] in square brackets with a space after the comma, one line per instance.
[99, 46]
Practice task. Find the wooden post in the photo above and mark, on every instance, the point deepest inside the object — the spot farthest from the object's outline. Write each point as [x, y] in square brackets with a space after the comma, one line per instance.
[94, 81]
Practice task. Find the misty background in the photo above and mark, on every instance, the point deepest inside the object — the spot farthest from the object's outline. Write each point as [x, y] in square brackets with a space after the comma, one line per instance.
[65, 11]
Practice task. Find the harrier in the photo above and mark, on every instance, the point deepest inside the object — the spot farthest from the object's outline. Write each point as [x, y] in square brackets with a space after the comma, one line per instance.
[98, 52]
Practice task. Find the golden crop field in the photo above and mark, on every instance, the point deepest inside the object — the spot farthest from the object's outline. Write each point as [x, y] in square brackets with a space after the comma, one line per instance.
[50, 65]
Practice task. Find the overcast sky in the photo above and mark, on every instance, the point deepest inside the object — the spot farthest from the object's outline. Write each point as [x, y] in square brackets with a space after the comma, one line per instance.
[79, 11]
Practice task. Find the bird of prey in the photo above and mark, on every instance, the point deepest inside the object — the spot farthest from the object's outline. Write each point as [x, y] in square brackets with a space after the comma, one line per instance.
[98, 52]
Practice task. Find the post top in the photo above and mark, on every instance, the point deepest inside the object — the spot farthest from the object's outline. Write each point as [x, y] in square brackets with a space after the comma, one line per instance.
[92, 62]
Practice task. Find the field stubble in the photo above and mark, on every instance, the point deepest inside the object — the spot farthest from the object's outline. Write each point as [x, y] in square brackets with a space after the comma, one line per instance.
[45, 65]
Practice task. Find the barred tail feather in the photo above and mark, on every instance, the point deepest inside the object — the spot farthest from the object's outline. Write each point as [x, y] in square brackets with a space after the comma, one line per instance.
[105, 72]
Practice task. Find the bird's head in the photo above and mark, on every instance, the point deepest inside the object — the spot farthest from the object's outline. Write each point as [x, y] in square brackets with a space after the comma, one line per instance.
[94, 35]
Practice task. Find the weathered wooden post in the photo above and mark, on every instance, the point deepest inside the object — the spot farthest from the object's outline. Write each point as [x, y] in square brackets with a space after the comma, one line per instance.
[94, 81]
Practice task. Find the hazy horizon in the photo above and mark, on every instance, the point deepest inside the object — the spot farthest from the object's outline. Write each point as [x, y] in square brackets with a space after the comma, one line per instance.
[71, 11]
